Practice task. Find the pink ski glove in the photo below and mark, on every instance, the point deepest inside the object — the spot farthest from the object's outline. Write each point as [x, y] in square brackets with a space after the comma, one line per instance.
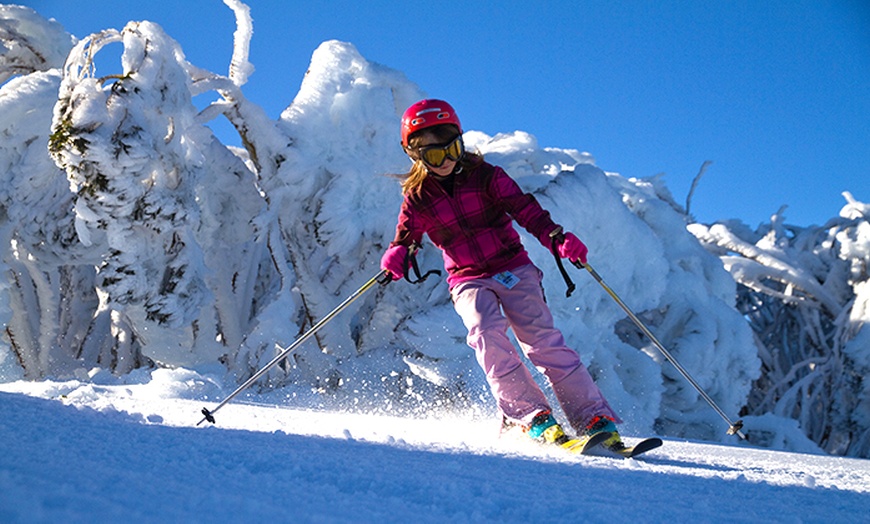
[573, 249]
[394, 261]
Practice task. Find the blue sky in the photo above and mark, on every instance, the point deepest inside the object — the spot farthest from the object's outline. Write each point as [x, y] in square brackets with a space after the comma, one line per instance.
[775, 93]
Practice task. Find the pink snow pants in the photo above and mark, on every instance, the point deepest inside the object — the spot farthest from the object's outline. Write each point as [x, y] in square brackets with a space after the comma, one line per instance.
[488, 308]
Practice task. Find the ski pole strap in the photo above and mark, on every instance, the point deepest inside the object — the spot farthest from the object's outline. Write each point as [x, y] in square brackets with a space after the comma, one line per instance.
[411, 263]
[384, 278]
[556, 238]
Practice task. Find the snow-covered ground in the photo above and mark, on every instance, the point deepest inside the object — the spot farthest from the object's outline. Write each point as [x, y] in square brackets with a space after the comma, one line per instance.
[83, 452]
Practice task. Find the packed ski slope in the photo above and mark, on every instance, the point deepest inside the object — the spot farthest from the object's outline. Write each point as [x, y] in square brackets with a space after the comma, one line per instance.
[82, 452]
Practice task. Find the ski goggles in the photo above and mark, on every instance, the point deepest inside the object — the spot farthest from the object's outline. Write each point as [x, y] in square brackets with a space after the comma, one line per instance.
[434, 156]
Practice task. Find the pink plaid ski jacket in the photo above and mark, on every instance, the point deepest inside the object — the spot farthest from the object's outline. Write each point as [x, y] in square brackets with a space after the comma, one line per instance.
[473, 227]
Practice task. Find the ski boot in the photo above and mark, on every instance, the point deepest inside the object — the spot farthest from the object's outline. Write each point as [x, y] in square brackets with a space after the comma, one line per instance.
[605, 424]
[545, 429]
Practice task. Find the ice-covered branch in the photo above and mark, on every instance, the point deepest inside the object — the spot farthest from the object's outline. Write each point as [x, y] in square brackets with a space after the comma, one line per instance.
[240, 67]
[29, 42]
[695, 182]
[770, 265]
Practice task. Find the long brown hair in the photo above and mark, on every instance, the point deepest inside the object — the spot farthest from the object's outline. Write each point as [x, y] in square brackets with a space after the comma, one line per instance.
[412, 181]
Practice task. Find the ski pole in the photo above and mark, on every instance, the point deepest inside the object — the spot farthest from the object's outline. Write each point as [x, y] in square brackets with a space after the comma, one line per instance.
[733, 427]
[557, 238]
[383, 277]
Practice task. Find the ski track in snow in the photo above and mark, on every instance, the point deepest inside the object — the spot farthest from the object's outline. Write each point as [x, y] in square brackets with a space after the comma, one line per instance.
[77, 452]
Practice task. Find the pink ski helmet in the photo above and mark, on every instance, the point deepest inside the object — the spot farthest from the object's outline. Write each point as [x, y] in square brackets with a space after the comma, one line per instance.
[427, 113]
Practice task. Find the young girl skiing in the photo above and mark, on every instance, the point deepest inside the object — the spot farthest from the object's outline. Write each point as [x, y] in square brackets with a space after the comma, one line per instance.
[466, 207]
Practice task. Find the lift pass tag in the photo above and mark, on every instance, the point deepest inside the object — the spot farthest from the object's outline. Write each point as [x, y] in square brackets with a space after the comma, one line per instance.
[507, 279]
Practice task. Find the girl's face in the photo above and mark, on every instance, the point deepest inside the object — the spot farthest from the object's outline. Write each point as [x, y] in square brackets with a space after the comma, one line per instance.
[428, 139]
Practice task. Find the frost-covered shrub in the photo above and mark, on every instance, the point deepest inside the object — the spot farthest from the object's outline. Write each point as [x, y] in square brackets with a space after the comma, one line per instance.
[804, 291]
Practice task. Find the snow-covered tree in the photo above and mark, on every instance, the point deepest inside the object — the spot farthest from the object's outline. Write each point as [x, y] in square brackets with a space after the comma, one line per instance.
[120, 141]
[48, 276]
[152, 249]
[804, 291]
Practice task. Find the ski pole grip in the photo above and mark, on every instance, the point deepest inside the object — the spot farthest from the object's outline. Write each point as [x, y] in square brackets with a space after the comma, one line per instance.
[556, 238]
